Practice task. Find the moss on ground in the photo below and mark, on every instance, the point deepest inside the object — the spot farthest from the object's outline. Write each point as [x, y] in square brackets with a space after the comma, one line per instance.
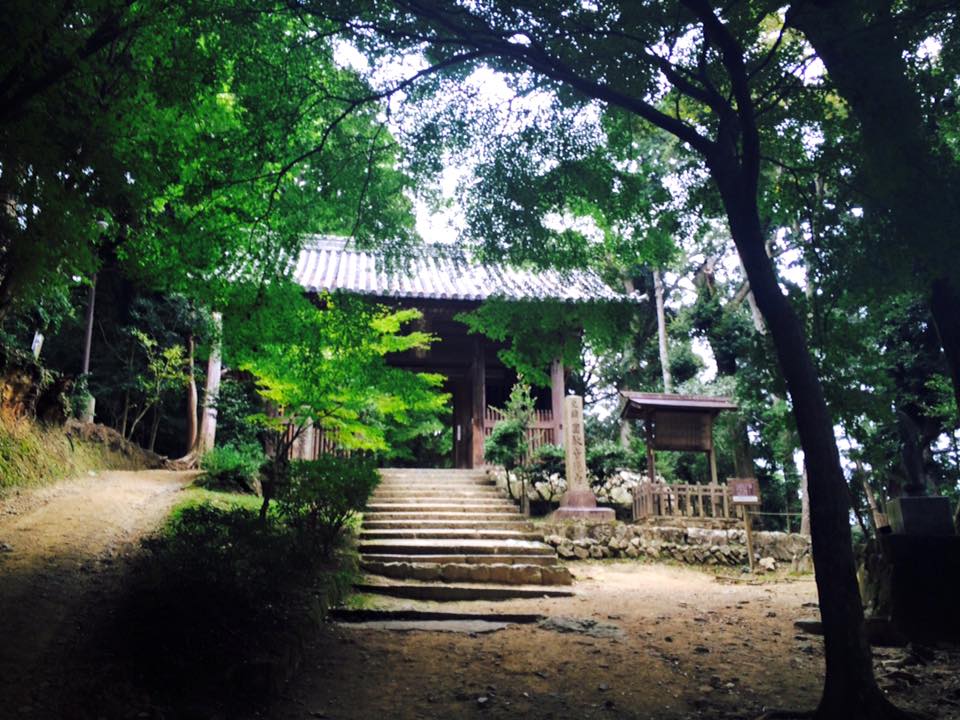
[32, 455]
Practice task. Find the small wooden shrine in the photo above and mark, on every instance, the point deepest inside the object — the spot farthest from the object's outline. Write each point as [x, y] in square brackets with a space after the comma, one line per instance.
[442, 283]
[676, 422]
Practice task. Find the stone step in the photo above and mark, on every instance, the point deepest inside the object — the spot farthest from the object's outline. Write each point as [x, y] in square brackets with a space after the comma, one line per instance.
[499, 573]
[434, 485]
[432, 516]
[452, 592]
[454, 546]
[448, 507]
[480, 492]
[419, 503]
[416, 523]
[411, 480]
[518, 559]
[436, 533]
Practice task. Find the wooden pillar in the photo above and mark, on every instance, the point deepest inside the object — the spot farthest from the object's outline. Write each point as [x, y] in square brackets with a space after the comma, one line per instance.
[557, 391]
[651, 464]
[478, 404]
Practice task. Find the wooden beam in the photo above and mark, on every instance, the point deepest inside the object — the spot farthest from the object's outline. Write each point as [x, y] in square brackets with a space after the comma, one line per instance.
[651, 464]
[557, 391]
[478, 405]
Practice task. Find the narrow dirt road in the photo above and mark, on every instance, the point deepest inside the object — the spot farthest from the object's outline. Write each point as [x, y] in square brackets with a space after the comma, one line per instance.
[59, 551]
[641, 641]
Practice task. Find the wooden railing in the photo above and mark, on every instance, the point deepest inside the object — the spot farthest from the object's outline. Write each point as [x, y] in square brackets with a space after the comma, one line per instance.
[542, 430]
[712, 501]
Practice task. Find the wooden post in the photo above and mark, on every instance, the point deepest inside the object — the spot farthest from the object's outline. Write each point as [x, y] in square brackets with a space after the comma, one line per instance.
[478, 379]
[747, 526]
[712, 459]
[557, 391]
[651, 464]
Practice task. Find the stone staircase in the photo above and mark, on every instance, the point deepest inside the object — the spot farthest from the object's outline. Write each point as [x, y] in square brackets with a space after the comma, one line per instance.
[451, 535]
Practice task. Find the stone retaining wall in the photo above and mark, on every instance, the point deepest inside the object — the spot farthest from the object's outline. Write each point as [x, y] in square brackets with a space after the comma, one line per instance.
[697, 546]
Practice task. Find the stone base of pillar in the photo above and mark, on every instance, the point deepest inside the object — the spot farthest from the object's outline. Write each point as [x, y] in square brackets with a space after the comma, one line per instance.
[582, 503]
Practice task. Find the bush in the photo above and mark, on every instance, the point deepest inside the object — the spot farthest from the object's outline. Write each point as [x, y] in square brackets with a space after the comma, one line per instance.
[216, 589]
[233, 466]
[322, 495]
[547, 460]
[605, 458]
[507, 444]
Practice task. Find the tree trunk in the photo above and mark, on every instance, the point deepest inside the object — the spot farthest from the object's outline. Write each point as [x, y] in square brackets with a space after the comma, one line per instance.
[742, 455]
[804, 502]
[662, 333]
[191, 396]
[87, 343]
[208, 423]
[850, 690]
[154, 427]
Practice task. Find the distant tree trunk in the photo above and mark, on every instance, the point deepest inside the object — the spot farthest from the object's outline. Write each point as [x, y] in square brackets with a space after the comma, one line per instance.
[192, 399]
[88, 326]
[88, 410]
[662, 333]
[125, 416]
[742, 455]
[804, 503]
[208, 423]
[154, 427]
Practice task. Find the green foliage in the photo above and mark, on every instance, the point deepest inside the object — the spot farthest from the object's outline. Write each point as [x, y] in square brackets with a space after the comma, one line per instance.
[538, 332]
[218, 587]
[606, 458]
[507, 444]
[547, 460]
[233, 467]
[187, 142]
[327, 366]
[322, 496]
[237, 404]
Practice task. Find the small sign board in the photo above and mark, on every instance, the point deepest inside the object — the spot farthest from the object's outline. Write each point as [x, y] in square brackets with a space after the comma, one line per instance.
[744, 491]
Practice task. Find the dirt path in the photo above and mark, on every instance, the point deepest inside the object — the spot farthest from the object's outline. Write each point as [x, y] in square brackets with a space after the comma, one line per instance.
[684, 645]
[60, 547]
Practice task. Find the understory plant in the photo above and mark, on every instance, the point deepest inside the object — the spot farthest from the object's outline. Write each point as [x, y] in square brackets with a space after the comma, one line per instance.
[321, 497]
[233, 466]
[508, 445]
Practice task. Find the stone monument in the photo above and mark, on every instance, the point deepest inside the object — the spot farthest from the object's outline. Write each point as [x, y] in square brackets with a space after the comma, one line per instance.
[917, 512]
[579, 500]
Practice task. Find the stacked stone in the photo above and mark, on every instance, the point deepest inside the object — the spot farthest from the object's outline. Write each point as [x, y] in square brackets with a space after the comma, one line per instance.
[693, 545]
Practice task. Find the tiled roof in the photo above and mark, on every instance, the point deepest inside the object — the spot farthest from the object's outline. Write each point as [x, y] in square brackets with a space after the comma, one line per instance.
[329, 264]
[639, 402]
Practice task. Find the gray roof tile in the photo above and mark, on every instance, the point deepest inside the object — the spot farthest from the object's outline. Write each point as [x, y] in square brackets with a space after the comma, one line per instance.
[329, 264]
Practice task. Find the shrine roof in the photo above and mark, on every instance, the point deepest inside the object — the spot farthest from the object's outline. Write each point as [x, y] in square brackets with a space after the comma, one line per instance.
[640, 403]
[329, 264]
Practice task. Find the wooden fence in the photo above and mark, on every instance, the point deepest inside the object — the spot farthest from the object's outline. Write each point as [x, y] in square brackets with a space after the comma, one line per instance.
[542, 430]
[314, 442]
[710, 501]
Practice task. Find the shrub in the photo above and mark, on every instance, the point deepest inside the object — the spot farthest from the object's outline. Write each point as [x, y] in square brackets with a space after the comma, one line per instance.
[547, 460]
[322, 495]
[507, 444]
[216, 589]
[236, 402]
[605, 458]
[233, 466]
